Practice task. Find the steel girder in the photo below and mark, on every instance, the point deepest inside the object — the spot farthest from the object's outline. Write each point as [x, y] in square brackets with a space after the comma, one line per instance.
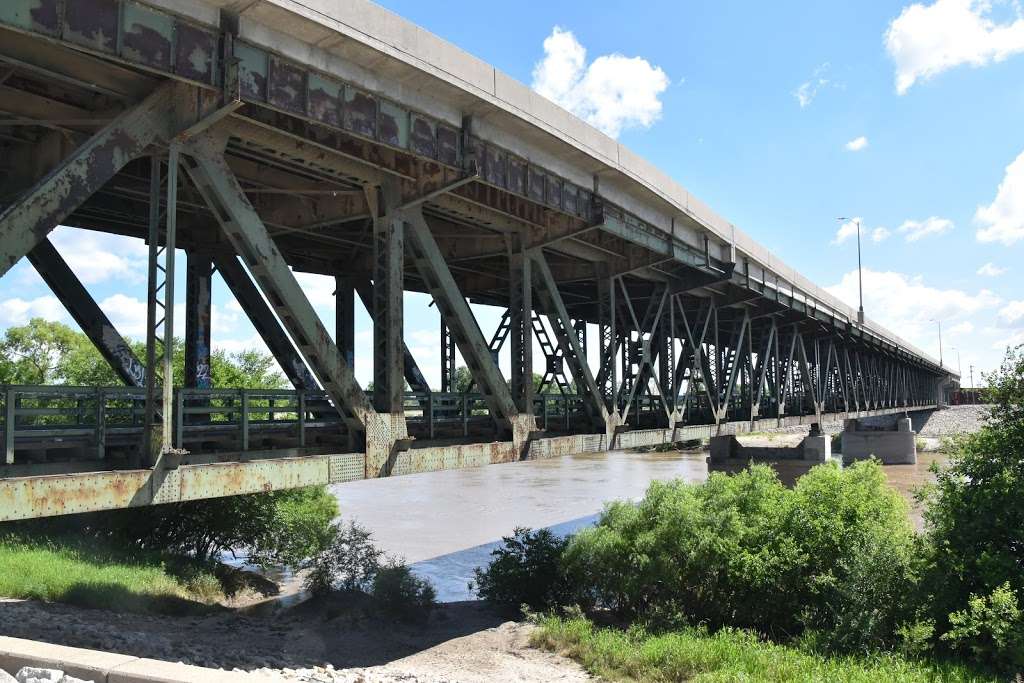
[345, 316]
[243, 227]
[46, 204]
[568, 341]
[262, 318]
[456, 314]
[90, 318]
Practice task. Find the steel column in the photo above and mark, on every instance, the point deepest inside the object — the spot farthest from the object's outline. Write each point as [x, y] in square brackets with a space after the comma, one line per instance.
[198, 304]
[520, 309]
[388, 282]
[345, 317]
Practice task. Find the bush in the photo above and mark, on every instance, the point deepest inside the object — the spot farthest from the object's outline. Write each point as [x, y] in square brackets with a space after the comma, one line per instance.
[348, 563]
[524, 570]
[835, 554]
[975, 526]
[400, 594]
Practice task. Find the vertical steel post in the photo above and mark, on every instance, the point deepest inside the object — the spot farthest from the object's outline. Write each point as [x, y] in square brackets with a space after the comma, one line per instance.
[198, 279]
[170, 232]
[447, 359]
[152, 323]
[520, 308]
[345, 317]
[388, 282]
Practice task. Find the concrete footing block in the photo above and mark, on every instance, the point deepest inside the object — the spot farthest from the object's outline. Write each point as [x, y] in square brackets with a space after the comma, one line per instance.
[108, 667]
[894, 446]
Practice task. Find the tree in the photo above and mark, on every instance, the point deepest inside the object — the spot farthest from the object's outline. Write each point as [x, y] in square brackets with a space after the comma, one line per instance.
[975, 530]
[46, 352]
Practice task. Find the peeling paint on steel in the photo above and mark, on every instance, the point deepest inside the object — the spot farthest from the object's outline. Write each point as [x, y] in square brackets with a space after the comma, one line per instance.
[360, 112]
[92, 23]
[195, 53]
[147, 36]
[286, 85]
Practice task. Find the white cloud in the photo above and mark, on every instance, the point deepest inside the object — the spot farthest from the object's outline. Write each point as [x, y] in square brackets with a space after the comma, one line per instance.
[915, 230]
[923, 41]
[1012, 313]
[906, 305]
[991, 270]
[966, 327]
[846, 231]
[808, 90]
[95, 256]
[880, 234]
[18, 311]
[319, 290]
[612, 93]
[857, 144]
[1003, 219]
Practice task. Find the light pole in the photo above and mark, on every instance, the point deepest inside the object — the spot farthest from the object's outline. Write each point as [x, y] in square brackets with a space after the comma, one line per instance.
[959, 368]
[860, 276]
[939, 323]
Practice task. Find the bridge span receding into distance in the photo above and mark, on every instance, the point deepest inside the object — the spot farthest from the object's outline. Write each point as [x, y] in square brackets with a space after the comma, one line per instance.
[271, 137]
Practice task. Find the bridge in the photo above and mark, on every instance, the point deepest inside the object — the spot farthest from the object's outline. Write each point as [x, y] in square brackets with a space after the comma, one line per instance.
[271, 137]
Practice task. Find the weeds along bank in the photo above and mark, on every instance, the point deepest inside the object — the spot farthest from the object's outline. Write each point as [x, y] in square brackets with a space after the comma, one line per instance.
[830, 570]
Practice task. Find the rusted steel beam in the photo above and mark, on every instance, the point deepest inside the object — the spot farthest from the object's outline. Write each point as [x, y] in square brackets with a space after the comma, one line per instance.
[65, 188]
[520, 310]
[83, 308]
[551, 300]
[262, 318]
[456, 313]
[244, 229]
[388, 283]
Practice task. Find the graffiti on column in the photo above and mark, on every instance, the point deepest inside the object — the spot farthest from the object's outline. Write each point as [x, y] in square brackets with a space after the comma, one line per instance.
[133, 370]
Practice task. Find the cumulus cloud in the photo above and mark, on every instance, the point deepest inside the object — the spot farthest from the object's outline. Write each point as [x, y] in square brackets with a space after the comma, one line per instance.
[925, 40]
[857, 144]
[1003, 219]
[966, 327]
[809, 89]
[991, 270]
[18, 311]
[613, 92]
[96, 257]
[907, 305]
[915, 230]
[1012, 313]
[847, 230]
[880, 234]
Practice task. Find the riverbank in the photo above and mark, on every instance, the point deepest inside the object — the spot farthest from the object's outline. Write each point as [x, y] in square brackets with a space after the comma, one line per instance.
[464, 642]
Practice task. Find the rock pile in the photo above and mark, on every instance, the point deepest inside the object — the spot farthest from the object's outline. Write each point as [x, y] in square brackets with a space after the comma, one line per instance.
[32, 674]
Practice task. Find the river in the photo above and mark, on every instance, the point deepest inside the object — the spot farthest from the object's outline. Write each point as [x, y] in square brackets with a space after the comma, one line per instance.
[446, 523]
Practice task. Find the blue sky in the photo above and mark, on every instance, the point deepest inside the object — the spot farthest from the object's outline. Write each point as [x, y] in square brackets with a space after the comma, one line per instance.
[758, 109]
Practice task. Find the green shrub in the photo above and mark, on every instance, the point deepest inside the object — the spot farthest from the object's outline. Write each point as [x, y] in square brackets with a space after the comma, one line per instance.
[524, 570]
[974, 519]
[835, 554]
[348, 563]
[991, 629]
[399, 593]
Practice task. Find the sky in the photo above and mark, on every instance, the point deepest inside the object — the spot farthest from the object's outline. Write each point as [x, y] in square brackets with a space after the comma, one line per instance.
[781, 116]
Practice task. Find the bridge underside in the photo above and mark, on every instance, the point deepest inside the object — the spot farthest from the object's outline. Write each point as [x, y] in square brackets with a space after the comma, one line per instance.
[257, 169]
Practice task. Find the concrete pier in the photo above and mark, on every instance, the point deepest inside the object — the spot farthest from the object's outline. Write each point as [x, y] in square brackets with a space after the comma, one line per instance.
[892, 445]
[790, 462]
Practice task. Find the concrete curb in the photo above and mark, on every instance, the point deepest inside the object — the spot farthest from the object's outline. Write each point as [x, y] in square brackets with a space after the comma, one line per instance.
[108, 667]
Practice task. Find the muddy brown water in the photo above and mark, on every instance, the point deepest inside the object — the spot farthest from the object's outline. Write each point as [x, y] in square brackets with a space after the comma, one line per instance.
[446, 523]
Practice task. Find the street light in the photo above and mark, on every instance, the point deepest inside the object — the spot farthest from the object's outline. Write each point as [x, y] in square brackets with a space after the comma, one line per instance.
[860, 276]
[939, 322]
[959, 368]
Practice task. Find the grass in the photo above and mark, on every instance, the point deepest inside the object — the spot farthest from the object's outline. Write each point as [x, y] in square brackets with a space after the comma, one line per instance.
[91, 575]
[728, 655]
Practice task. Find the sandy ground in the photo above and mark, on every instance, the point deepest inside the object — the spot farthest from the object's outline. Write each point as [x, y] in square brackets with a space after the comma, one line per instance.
[461, 642]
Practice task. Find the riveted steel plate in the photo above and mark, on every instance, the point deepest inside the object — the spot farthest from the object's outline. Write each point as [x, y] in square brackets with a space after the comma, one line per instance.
[195, 53]
[225, 479]
[92, 23]
[394, 124]
[360, 112]
[252, 71]
[422, 139]
[346, 467]
[286, 85]
[148, 36]
[32, 15]
[325, 99]
[447, 145]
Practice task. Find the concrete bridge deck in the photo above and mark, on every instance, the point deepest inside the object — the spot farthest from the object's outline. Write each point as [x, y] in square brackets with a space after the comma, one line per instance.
[336, 138]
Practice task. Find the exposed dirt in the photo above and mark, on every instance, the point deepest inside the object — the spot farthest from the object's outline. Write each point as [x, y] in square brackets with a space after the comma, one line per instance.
[462, 642]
